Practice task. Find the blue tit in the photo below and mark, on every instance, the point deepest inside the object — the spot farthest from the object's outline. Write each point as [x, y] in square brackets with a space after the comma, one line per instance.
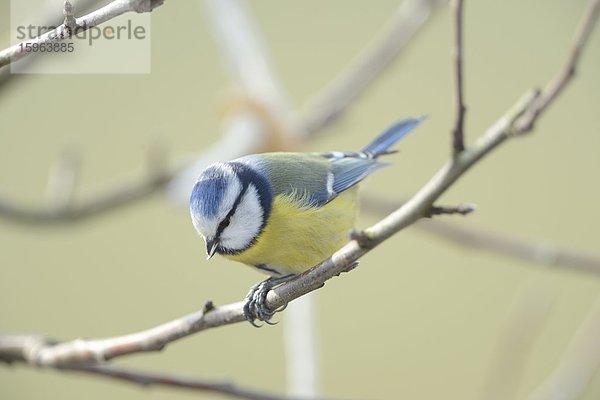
[283, 213]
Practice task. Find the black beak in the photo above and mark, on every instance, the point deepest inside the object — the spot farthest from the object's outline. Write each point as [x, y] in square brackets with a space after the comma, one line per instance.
[211, 247]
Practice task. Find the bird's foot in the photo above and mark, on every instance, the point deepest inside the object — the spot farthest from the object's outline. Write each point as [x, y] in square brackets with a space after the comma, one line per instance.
[255, 306]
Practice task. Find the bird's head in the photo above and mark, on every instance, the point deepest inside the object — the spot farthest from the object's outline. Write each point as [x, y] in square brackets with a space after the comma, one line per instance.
[229, 205]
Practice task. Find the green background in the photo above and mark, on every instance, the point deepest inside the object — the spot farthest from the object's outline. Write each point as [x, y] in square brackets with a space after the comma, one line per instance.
[420, 318]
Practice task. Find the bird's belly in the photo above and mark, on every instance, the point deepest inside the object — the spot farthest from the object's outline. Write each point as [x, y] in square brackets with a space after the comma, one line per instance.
[295, 239]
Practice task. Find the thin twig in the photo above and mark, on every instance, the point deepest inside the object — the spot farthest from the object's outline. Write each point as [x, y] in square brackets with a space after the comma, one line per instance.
[461, 209]
[47, 13]
[539, 252]
[458, 144]
[69, 14]
[557, 84]
[370, 63]
[106, 13]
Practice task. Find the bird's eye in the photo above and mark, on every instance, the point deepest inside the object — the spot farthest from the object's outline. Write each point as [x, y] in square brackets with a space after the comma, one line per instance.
[224, 223]
[227, 220]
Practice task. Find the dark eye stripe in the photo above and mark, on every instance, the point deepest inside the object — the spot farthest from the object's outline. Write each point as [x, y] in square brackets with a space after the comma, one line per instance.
[247, 176]
[227, 220]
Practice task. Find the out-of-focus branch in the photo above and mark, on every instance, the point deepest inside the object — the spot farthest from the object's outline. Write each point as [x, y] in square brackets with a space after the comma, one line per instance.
[507, 245]
[566, 74]
[97, 204]
[301, 344]
[260, 116]
[146, 378]
[106, 13]
[248, 63]
[458, 143]
[579, 363]
[252, 126]
[539, 252]
[370, 64]
[265, 111]
[521, 330]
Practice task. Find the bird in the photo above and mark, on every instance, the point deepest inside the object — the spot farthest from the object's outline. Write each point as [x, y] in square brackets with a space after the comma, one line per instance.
[284, 212]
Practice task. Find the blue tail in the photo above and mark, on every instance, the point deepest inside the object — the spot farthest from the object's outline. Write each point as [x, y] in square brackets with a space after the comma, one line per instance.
[383, 142]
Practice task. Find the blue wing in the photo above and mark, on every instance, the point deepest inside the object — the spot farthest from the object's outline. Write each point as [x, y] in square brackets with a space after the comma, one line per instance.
[318, 178]
[349, 171]
[391, 135]
[349, 168]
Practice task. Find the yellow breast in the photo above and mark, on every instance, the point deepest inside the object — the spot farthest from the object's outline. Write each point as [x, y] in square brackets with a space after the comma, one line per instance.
[297, 238]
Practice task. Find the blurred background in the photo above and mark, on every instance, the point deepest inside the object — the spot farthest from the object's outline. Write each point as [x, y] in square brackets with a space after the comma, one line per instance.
[420, 318]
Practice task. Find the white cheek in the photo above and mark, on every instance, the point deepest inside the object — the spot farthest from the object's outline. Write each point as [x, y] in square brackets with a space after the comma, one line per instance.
[245, 223]
[205, 227]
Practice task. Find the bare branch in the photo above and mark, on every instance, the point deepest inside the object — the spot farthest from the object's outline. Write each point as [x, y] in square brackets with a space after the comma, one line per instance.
[539, 252]
[328, 105]
[80, 352]
[14, 348]
[90, 351]
[458, 143]
[106, 13]
[46, 13]
[47, 353]
[559, 82]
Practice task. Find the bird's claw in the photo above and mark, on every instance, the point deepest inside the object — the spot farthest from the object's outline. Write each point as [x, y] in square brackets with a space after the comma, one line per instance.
[255, 306]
